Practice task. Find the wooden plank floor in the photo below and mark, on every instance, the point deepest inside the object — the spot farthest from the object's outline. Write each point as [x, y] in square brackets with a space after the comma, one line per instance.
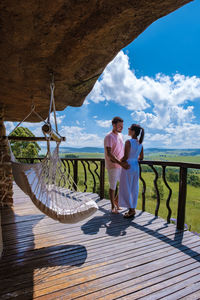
[103, 257]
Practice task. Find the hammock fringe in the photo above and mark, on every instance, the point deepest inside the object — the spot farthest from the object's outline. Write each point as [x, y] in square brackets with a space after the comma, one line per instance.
[52, 190]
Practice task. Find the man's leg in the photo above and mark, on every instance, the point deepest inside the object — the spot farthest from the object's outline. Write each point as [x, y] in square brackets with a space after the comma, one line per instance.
[116, 202]
[112, 176]
[118, 174]
[116, 198]
[112, 198]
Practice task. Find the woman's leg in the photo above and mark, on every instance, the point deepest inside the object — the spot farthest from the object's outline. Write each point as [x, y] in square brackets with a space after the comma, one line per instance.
[133, 190]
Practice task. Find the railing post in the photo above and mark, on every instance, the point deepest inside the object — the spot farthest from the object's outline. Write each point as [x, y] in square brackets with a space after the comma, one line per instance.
[102, 178]
[182, 198]
[143, 189]
[75, 171]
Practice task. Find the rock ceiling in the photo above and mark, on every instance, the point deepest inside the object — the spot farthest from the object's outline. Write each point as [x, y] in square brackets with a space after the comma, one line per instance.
[74, 39]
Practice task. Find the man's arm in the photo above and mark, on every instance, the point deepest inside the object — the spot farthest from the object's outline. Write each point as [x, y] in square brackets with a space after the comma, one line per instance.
[111, 156]
[123, 164]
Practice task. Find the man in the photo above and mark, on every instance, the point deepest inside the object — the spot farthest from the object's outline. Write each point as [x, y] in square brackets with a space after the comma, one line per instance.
[114, 151]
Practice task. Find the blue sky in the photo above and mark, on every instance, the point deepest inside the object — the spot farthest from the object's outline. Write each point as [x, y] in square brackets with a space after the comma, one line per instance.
[154, 81]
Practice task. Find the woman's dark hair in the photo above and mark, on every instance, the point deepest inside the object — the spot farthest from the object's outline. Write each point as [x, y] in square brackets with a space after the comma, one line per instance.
[138, 130]
[115, 120]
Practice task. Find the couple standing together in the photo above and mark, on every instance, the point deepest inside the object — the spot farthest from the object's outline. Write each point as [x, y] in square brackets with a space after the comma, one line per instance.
[122, 165]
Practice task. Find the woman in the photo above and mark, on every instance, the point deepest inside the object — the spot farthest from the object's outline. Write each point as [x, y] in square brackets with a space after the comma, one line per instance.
[129, 179]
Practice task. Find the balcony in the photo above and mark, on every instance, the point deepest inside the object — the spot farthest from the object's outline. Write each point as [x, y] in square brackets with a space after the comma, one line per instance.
[105, 256]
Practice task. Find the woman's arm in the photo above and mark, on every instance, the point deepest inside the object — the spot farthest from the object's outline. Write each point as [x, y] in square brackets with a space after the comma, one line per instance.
[127, 148]
[126, 151]
[141, 156]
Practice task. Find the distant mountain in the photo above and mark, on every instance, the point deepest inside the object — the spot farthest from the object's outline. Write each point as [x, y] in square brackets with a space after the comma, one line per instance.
[82, 150]
[180, 152]
[76, 150]
[148, 151]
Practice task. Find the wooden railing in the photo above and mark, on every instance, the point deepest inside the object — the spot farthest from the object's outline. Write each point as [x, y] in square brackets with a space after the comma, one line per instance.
[92, 171]
[91, 167]
[183, 169]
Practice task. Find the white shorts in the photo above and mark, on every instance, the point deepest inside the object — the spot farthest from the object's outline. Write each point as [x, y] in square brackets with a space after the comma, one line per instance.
[114, 177]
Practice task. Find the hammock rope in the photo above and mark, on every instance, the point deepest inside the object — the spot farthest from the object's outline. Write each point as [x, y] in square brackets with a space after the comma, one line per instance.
[47, 183]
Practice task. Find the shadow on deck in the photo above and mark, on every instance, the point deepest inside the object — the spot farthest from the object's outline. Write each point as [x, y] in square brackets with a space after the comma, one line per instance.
[104, 257]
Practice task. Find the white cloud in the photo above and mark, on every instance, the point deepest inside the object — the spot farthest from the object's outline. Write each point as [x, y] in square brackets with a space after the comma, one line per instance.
[145, 119]
[169, 113]
[77, 137]
[163, 94]
[119, 84]
[157, 140]
[95, 94]
[186, 135]
[104, 123]
[164, 116]
[59, 119]
[181, 136]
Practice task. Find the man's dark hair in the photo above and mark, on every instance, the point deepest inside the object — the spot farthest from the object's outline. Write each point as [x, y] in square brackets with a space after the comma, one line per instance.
[115, 120]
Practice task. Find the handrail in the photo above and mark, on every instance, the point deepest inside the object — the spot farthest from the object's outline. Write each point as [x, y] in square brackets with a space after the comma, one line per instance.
[170, 164]
[99, 174]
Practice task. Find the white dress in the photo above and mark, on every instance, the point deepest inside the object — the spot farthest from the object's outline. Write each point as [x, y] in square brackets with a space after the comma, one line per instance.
[129, 180]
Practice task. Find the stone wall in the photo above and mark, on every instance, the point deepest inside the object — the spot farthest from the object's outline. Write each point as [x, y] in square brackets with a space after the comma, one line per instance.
[1, 240]
[6, 188]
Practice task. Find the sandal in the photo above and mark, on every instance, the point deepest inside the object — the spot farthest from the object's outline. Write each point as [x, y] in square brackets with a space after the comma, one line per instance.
[129, 214]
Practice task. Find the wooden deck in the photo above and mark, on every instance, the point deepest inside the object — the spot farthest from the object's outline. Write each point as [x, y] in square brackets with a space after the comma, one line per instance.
[104, 257]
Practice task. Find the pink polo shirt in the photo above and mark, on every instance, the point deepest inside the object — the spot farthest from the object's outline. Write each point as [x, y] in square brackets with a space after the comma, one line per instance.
[115, 142]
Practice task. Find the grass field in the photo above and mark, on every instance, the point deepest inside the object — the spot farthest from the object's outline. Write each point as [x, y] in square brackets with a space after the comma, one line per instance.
[82, 155]
[192, 204]
[193, 193]
[158, 156]
[176, 158]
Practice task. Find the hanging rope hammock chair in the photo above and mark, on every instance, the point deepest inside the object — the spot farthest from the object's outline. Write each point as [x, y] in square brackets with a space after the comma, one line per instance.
[48, 184]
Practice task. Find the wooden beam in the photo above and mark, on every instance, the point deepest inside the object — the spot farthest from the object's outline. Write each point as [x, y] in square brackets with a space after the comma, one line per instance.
[30, 138]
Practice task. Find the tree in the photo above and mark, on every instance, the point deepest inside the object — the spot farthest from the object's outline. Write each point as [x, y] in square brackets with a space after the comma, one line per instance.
[172, 176]
[23, 148]
[193, 180]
